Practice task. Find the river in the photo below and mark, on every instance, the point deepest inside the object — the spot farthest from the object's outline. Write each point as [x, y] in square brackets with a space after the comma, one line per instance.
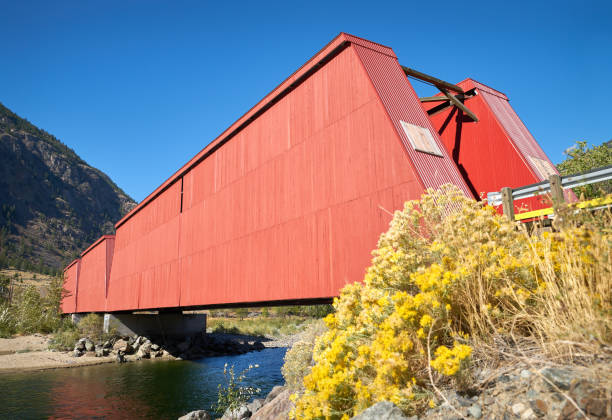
[146, 389]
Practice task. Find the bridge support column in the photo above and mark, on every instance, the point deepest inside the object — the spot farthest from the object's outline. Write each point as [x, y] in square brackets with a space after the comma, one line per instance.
[165, 324]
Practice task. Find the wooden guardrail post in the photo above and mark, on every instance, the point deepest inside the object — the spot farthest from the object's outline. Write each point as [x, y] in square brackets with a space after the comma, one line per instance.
[508, 203]
[556, 190]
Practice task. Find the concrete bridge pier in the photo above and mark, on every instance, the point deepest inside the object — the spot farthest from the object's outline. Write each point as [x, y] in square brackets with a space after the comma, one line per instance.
[163, 324]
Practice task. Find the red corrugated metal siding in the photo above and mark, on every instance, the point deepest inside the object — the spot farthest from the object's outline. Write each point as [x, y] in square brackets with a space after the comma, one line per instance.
[93, 276]
[321, 162]
[145, 266]
[402, 103]
[485, 150]
[71, 273]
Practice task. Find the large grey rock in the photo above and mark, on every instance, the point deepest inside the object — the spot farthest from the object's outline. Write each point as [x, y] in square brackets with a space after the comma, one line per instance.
[475, 411]
[560, 377]
[274, 393]
[383, 410]
[276, 409]
[89, 345]
[77, 353]
[123, 346]
[239, 413]
[255, 405]
[144, 352]
[100, 351]
[80, 345]
[196, 415]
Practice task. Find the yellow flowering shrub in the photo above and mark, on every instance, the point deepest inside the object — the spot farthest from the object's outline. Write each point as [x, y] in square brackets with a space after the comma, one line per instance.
[448, 270]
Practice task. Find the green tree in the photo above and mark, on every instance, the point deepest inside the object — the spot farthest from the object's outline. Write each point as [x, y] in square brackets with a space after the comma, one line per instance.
[581, 158]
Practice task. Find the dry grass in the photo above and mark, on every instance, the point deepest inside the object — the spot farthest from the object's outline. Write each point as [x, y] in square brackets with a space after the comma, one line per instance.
[260, 326]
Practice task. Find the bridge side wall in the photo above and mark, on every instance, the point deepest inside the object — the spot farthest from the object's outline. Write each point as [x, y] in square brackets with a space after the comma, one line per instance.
[93, 275]
[71, 273]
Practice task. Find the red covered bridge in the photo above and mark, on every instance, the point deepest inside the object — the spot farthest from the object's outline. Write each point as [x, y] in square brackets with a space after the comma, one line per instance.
[286, 204]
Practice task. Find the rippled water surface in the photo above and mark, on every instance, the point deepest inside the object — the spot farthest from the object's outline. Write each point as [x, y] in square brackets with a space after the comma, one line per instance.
[147, 389]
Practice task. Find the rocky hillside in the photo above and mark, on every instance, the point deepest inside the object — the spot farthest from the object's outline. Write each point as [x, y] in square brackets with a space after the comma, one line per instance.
[52, 203]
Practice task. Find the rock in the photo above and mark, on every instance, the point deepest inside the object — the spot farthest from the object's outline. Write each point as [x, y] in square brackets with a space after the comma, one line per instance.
[276, 409]
[274, 393]
[560, 377]
[120, 344]
[239, 413]
[464, 402]
[525, 373]
[145, 350]
[258, 345]
[528, 414]
[155, 347]
[80, 345]
[539, 407]
[196, 415]
[255, 405]
[89, 345]
[383, 410]
[107, 345]
[77, 353]
[518, 408]
[475, 411]
[120, 357]
[99, 351]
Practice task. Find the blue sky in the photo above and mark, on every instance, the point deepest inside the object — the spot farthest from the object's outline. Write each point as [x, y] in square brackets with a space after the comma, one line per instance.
[137, 88]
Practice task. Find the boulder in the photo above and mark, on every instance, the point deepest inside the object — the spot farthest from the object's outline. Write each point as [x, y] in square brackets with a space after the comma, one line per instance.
[107, 344]
[276, 409]
[77, 353]
[144, 352]
[119, 344]
[239, 413]
[383, 410]
[120, 357]
[196, 415]
[124, 346]
[155, 347]
[562, 378]
[255, 405]
[274, 393]
[99, 351]
[80, 345]
[89, 345]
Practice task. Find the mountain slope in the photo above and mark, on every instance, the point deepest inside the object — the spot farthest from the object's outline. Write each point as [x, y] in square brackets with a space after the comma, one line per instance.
[52, 203]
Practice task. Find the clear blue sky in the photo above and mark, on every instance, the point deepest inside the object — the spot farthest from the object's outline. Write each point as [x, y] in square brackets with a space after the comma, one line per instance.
[137, 88]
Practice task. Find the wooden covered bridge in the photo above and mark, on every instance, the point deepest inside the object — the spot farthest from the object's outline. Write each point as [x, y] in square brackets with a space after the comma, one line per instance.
[286, 205]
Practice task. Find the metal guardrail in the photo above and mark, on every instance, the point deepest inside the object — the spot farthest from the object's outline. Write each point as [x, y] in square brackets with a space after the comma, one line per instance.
[569, 181]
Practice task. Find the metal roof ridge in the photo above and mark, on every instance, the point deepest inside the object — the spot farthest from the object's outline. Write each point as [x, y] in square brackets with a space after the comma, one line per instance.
[96, 243]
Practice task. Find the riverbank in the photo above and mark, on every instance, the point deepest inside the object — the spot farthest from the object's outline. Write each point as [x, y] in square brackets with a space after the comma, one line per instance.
[32, 353]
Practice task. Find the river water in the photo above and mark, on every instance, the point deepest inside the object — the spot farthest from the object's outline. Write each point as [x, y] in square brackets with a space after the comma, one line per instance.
[146, 389]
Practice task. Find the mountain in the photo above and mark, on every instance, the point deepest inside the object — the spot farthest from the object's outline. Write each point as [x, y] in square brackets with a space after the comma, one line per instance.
[52, 203]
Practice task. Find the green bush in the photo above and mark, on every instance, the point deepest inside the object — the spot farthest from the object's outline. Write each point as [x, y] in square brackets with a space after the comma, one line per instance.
[65, 338]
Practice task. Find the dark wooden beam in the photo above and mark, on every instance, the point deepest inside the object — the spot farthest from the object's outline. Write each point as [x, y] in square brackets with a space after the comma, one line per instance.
[453, 99]
[434, 99]
[433, 80]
